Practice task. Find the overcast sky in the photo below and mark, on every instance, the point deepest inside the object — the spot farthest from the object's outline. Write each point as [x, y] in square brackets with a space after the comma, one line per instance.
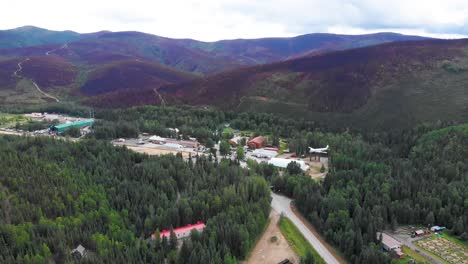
[211, 20]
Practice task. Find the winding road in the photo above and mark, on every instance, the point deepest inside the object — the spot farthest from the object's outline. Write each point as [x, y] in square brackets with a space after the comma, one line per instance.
[20, 68]
[64, 46]
[281, 204]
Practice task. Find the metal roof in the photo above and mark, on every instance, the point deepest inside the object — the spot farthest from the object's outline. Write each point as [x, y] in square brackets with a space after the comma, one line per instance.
[81, 123]
[283, 163]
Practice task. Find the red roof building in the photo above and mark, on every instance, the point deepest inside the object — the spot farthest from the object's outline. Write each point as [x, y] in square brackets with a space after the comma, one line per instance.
[181, 232]
[257, 142]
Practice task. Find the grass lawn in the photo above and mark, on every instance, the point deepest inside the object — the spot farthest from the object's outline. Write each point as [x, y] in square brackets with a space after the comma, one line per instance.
[228, 132]
[8, 120]
[410, 255]
[297, 241]
[283, 146]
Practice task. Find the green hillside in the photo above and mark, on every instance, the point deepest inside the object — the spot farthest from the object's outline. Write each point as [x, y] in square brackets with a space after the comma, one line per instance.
[31, 36]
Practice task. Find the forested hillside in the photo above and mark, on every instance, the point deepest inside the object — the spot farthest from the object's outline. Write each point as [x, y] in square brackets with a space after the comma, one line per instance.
[390, 85]
[55, 195]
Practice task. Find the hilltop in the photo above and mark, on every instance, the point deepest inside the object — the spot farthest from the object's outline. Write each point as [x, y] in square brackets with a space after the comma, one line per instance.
[32, 36]
[395, 84]
[124, 68]
[203, 58]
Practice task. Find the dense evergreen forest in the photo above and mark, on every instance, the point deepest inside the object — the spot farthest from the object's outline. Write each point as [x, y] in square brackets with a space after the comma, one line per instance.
[55, 195]
[370, 188]
[110, 199]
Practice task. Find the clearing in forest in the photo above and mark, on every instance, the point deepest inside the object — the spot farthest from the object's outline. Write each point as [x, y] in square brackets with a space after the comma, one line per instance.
[272, 246]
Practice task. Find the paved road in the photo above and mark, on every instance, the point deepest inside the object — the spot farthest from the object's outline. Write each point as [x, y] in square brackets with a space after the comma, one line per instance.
[281, 204]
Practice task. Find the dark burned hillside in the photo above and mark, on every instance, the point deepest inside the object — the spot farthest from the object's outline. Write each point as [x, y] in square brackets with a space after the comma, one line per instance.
[396, 83]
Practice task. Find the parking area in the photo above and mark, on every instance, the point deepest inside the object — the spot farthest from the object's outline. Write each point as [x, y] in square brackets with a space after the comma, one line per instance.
[142, 145]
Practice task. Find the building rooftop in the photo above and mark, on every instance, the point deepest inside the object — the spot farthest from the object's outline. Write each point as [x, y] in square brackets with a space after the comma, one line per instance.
[283, 163]
[258, 140]
[389, 241]
[80, 123]
[199, 225]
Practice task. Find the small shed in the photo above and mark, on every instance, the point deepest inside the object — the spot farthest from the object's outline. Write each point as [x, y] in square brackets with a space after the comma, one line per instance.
[419, 232]
[79, 252]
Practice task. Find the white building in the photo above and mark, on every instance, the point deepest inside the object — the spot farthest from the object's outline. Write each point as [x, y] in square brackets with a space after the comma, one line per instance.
[157, 140]
[264, 153]
[173, 146]
[283, 163]
[390, 244]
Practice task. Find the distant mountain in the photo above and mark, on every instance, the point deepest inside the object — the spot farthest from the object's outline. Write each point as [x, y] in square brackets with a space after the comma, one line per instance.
[194, 56]
[119, 65]
[384, 85]
[31, 36]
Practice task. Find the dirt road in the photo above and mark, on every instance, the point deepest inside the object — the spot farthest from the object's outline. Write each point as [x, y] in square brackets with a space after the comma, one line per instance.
[45, 94]
[266, 251]
[20, 68]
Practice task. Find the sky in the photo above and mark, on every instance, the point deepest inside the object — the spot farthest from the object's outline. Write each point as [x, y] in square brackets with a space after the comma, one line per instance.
[211, 20]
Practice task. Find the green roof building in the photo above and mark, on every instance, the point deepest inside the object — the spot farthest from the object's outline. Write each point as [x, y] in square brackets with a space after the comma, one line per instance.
[79, 124]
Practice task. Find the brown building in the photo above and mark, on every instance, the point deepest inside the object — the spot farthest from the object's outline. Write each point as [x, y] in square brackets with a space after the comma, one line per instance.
[257, 142]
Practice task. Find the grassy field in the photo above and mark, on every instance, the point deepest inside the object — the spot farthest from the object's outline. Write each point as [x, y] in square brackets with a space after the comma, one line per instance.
[296, 240]
[8, 120]
[410, 255]
[228, 132]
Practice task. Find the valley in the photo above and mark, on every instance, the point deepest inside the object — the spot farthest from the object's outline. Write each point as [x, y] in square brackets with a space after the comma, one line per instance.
[128, 147]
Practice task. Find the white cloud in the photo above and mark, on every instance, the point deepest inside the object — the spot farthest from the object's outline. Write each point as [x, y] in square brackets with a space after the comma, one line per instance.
[221, 19]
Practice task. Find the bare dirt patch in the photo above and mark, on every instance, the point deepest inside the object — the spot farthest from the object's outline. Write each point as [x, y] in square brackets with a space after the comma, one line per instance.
[268, 251]
[156, 151]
